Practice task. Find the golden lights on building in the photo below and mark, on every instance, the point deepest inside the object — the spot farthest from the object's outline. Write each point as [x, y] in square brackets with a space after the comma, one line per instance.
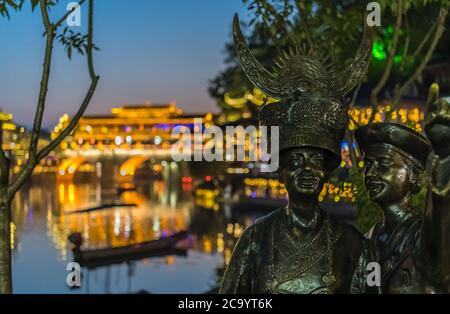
[411, 116]
[12, 135]
[131, 126]
[14, 141]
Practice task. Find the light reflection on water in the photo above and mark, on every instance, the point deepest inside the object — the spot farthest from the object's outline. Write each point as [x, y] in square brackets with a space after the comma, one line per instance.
[43, 221]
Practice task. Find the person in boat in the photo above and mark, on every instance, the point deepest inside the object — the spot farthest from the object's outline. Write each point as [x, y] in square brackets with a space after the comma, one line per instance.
[413, 250]
[298, 248]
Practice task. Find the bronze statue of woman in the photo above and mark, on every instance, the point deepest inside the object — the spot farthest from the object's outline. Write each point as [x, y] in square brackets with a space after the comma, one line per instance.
[412, 250]
[298, 248]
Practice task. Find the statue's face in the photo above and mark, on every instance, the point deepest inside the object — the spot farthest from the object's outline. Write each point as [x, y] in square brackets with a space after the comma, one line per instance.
[303, 171]
[387, 175]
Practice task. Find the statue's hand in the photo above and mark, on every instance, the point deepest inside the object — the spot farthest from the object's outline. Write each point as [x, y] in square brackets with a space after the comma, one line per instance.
[437, 122]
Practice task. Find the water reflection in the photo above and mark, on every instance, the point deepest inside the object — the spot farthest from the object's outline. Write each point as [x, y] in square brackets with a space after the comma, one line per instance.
[44, 218]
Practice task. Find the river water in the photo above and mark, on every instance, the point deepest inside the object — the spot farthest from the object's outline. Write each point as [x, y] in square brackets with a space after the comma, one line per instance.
[44, 217]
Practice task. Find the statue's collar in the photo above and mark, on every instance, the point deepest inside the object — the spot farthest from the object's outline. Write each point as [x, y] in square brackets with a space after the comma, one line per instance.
[297, 226]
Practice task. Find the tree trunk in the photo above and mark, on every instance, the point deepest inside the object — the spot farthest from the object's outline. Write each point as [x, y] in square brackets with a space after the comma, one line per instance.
[5, 246]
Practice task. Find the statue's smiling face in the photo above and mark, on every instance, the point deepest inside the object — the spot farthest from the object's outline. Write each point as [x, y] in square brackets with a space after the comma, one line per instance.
[388, 176]
[303, 171]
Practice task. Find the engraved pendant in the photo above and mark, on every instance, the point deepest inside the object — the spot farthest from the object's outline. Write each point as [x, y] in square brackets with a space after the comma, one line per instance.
[329, 279]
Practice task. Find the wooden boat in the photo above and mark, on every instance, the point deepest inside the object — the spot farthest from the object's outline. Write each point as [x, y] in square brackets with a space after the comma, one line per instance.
[107, 256]
[101, 207]
[102, 262]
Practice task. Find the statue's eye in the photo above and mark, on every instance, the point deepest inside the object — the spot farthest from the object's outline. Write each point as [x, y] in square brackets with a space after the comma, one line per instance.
[317, 160]
[384, 162]
[296, 161]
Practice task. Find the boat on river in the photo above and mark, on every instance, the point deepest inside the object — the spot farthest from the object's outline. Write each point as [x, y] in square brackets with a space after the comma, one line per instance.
[98, 208]
[91, 258]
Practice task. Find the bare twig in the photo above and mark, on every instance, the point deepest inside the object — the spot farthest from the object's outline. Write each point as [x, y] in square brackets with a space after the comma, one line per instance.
[45, 18]
[424, 41]
[389, 63]
[355, 96]
[304, 21]
[94, 80]
[400, 89]
[64, 17]
[28, 169]
[26, 172]
[265, 16]
[406, 48]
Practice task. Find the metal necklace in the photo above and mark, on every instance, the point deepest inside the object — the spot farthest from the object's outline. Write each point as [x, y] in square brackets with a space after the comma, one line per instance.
[328, 279]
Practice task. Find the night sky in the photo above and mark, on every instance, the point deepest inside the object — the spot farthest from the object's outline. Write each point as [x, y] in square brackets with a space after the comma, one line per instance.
[151, 50]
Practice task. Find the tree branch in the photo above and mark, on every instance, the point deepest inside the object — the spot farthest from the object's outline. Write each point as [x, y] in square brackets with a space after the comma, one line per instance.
[424, 41]
[74, 121]
[389, 63]
[406, 48]
[26, 172]
[355, 96]
[65, 16]
[45, 18]
[4, 162]
[437, 35]
[28, 169]
[265, 11]
[304, 21]
[36, 132]
[90, 42]
[94, 80]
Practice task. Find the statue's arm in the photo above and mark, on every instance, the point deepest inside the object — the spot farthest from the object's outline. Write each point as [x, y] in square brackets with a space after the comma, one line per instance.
[237, 277]
[435, 232]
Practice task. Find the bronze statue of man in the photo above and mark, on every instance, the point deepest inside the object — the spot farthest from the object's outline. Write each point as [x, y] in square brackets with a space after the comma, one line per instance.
[298, 248]
[412, 250]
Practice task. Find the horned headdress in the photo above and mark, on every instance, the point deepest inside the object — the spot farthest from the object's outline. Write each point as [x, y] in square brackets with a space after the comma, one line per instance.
[309, 90]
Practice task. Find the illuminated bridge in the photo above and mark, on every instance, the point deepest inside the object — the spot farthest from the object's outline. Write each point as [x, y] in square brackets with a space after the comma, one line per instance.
[137, 140]
[114, 146]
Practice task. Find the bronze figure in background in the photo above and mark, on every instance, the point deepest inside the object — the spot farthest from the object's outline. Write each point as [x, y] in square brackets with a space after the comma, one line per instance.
[412, 250]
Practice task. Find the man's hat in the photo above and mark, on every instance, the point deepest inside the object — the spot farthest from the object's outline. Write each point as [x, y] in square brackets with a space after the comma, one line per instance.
[404, 139]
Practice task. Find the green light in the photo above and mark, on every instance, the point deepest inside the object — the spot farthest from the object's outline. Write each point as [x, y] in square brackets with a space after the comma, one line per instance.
[378, 51]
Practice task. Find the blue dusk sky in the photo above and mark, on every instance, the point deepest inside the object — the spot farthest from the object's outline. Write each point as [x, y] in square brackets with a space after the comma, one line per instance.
[151, 50]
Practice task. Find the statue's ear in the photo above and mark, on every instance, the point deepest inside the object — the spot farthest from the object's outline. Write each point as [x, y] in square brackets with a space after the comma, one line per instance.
[433, 94]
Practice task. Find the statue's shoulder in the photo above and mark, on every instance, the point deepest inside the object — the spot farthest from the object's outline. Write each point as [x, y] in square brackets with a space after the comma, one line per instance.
[265, 222]
[270, 218]
[262, 226]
